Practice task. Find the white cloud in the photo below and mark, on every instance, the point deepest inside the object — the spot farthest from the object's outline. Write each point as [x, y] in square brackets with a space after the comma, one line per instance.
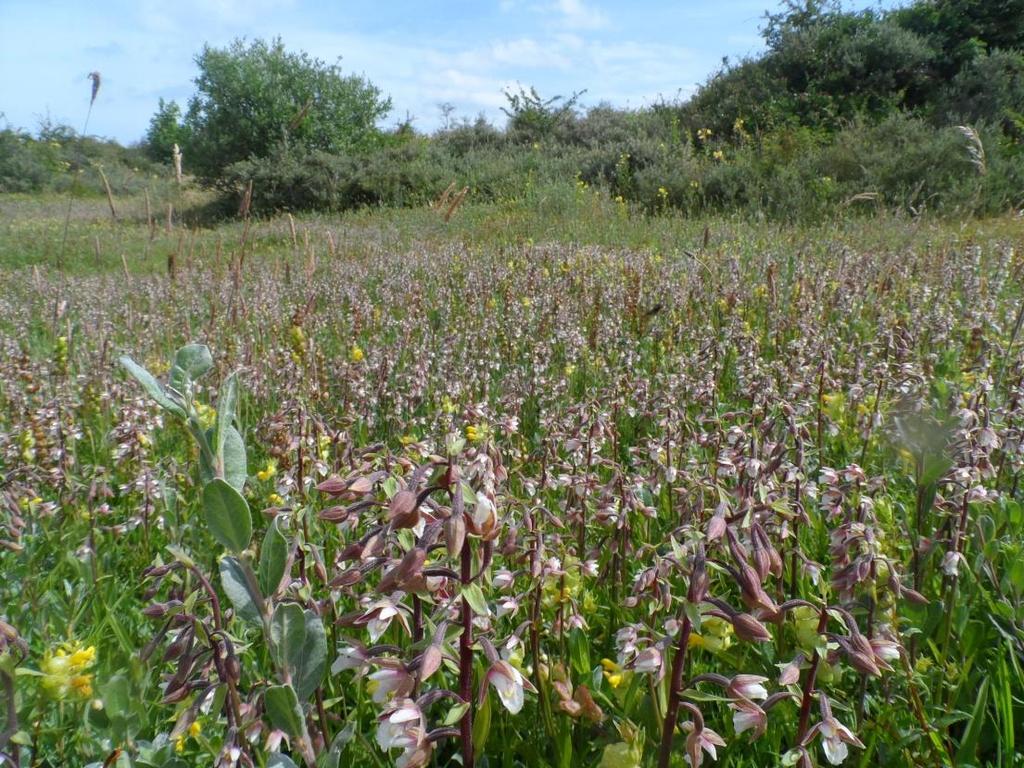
[577, 15]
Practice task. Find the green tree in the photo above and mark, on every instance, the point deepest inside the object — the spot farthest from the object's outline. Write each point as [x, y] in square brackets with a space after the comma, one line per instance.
[165, 130]
[256, 99]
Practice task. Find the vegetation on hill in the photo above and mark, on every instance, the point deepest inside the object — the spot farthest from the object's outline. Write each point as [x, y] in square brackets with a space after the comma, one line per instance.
[915, 109]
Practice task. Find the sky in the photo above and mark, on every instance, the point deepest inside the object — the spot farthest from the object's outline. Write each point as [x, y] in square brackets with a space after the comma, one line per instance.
[422, 53]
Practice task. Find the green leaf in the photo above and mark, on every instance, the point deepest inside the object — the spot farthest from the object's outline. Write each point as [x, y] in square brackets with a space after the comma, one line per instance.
[283, 709]
[288, 636]
[482, 726]
[233, 460]
[277, 760]
[475, 597]
[309, 669]
[969, 744]
[227, 401]
[227, 515]
[236, 587]
[333, 757]
[455, 714]
[579, 652]
[190, 363]
[194, 359]
[153, 387]
[273, 557]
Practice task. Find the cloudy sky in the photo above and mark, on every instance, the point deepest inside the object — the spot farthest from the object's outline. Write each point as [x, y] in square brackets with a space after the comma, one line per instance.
[423, 53]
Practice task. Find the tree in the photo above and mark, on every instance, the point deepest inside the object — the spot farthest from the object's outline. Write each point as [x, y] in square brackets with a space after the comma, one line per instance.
[165, 130]
[253, 100]
[531, 118]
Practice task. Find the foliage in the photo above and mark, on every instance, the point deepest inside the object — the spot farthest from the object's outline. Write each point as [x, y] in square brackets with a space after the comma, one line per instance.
[165, 130]
[58, 160]
[533, 118]
[252, 99]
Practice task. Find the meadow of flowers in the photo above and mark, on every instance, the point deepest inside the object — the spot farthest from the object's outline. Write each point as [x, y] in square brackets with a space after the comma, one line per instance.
[326, 492]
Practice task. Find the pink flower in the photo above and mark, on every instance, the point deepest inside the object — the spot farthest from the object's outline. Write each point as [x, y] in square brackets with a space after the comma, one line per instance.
[647, 661]
[701, 740]
[834, 735]
[748, 687]
[404, 727]
[391, 680]
[748, 716]
[509, 684]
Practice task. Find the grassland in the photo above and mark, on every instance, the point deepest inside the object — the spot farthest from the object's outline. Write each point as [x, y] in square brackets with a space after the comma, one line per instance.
[679, 451]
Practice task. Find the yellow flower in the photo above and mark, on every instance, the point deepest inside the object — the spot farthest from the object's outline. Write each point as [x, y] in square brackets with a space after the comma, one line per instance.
[613, 673]
[64, 671]
[621, 755]
[83, 657]
[268, 472]
[570, 369]
[715, 635]
[356, 354]
[195, 729]
[207, 415]
[806, 620]
[275, 499]
[718, 154]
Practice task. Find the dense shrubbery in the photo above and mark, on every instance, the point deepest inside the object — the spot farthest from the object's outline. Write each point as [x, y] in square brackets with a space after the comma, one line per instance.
[57, 159]
[844, 111]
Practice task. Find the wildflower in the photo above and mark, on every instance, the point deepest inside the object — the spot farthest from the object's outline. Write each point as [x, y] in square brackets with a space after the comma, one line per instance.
[267, 472]
[391, 681]
[275, 499]
[700, 739]
[718, 155]
[648, 660]
[621, 755]
[834, 735]
[64, 672]
[613, 673]
[351, 657]
[509, 683]
[356, 354]
[806, 619]
[704, 134]
[715, 635]
[207, 415]
[748, 716]
[748, 687]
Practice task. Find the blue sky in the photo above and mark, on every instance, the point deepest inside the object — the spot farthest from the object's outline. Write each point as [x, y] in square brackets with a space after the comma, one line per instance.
[464, 52]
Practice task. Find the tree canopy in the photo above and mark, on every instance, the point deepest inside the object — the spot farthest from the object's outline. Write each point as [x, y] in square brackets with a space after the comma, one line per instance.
[256, 99]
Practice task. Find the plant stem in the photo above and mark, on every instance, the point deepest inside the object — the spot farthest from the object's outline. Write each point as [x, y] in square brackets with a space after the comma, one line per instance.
[466, 659]
[675, 688]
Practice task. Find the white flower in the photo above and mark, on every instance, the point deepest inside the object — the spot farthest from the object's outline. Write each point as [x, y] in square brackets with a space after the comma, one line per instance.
[509, 683]
[648, 660]
[748, 687]
[747, 716]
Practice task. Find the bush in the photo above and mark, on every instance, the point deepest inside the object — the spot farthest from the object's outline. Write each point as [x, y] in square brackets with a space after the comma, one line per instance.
[255, 100]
